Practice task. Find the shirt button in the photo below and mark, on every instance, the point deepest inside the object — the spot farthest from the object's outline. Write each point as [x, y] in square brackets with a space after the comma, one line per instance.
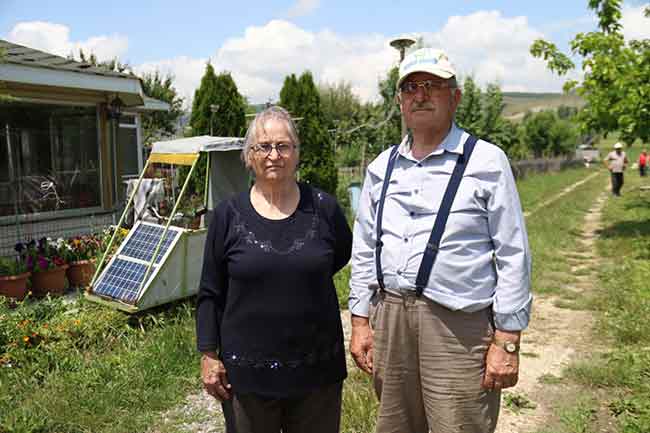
[416, 191]
[406, 239]
[419, 164]
[412, 213]
[399, 272]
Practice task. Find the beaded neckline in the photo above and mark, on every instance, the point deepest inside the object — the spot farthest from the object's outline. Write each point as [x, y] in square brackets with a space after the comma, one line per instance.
[251, 238]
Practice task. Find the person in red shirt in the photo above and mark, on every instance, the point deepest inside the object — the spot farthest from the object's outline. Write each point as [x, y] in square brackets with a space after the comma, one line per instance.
[643, 162]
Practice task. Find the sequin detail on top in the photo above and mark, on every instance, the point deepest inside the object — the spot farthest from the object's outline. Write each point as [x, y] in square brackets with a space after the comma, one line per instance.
[266, 245]
[259, 361]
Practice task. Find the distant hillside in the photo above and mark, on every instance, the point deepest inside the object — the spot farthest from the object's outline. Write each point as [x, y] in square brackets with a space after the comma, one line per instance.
[518, 103]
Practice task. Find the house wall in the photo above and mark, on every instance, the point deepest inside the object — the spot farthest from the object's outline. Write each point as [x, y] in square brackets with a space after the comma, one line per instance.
[69, 222]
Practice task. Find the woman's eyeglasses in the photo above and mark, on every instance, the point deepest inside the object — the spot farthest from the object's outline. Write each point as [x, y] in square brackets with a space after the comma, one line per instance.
[265, 149]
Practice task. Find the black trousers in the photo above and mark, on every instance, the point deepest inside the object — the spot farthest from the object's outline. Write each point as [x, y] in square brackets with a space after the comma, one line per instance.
[617, 183]
[317, 412]
[642, 170]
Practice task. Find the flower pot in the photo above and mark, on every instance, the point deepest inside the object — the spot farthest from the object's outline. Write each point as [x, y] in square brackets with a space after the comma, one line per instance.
[14, 286]
[80, 273]
[51, 281]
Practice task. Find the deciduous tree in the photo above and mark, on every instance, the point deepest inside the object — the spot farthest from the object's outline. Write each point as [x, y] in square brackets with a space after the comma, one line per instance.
[616, 83]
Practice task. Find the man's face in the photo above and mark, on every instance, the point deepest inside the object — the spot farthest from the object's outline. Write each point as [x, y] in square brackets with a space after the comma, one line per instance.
[432, 108]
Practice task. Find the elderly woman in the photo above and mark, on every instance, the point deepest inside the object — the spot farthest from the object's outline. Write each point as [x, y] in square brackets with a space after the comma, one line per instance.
[268, 321]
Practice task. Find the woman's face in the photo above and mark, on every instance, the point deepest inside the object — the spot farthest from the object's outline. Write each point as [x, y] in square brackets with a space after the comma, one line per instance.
[274, 157]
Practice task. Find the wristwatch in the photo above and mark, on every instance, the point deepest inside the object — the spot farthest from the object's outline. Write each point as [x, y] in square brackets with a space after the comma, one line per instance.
[508, 346]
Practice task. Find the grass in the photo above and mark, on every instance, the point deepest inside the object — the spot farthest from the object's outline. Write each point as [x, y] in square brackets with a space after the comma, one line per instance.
[106, 373]
[549, 379]
[517, 402]
[359, 408]
[555, 228]
[615, 377]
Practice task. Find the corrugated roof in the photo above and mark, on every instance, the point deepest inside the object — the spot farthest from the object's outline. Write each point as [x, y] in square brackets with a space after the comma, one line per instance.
[21, 55]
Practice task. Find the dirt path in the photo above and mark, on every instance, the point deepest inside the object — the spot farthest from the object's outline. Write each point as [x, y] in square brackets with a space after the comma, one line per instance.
[555, 336]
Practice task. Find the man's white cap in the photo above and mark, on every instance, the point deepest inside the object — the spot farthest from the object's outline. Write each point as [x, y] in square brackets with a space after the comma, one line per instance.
[618, 145]
[428, 60]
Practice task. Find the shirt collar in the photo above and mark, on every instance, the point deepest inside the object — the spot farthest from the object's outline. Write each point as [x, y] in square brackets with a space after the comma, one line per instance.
[453, 142]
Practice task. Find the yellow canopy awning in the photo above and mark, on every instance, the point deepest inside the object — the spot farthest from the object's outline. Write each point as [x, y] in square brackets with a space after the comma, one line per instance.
[174, 158]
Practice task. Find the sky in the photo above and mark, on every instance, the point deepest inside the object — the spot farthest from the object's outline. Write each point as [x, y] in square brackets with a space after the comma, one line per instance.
[260, 42]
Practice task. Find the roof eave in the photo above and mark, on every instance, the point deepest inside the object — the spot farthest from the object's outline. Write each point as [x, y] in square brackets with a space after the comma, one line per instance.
[129, 89]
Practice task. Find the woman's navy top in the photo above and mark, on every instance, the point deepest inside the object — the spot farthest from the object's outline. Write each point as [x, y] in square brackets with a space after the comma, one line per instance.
[267, 301]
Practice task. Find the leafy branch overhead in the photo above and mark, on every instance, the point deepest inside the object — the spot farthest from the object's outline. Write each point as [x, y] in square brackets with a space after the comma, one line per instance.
[616, 82]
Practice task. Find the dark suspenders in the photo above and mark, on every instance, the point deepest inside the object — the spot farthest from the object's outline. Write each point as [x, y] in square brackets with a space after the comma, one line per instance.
[431, 250]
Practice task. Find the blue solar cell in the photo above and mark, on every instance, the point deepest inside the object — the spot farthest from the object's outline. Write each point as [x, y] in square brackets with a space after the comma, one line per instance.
[142, 244]
[122, 280]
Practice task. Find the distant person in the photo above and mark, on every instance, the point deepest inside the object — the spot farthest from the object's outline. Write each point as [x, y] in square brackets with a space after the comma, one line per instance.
[268, 319]
[616, 162]
[643, 162]
[438, 309]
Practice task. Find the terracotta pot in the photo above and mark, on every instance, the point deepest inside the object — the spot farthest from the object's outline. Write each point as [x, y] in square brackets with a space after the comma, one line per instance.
[14, 286]
[51, 281]
[80, 273]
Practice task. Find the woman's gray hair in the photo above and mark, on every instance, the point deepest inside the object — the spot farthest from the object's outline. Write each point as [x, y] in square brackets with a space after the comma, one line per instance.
[274, 112]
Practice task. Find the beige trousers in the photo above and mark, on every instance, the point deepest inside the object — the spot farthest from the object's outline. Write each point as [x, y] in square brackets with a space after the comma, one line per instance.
[428, 363]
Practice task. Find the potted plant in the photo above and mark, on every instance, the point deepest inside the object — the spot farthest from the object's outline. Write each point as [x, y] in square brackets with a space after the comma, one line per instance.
[13, 277]
[81, 252]
[46, 261]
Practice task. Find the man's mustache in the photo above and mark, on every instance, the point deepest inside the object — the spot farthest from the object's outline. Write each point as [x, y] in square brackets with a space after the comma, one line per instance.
[423, 106]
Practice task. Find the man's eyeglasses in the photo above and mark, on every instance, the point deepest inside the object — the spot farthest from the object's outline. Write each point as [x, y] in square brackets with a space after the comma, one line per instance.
[429, 86]
[265, 149]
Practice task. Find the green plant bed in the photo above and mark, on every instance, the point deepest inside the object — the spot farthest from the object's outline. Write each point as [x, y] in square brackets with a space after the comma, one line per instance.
[88, 369]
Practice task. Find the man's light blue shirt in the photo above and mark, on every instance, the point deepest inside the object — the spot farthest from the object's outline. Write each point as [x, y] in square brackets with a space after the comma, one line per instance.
[484, 258]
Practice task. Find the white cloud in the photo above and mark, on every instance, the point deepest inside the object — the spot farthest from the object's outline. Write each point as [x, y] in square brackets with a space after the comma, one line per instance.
[494, 48]
[302, 8]
[55, 38]
[263, 56]
[635, 24]
[187, 73]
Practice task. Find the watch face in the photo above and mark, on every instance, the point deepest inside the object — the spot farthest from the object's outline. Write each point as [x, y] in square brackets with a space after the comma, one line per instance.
[511, 347]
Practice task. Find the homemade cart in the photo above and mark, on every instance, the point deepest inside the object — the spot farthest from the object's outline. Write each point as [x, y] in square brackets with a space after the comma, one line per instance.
[158, 261]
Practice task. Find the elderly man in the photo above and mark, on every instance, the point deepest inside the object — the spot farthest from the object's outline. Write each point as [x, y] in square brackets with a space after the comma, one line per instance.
[616, 162]
[440, 286]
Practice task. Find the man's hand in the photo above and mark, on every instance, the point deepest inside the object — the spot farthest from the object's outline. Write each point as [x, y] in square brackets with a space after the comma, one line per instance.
[501, 367]
[213, 374]
[361, 343]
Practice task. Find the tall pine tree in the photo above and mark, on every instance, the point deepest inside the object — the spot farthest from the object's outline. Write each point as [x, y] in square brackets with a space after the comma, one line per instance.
[300, 96]
[227, 120]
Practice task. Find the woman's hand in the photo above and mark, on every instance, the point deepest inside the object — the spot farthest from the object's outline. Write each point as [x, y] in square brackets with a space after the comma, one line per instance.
[213, 374]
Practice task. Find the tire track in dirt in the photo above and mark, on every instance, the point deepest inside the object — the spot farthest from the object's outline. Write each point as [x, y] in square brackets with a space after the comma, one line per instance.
[555, 337]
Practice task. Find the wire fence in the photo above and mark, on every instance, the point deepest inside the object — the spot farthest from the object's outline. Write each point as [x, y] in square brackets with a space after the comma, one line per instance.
[27, 227]
[520, 169]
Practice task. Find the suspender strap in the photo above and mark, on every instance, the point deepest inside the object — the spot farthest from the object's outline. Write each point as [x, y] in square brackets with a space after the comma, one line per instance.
[380, 213]
[431, 250]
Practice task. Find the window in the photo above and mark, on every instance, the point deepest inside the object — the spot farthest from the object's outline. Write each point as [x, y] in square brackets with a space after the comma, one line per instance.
[54, 161]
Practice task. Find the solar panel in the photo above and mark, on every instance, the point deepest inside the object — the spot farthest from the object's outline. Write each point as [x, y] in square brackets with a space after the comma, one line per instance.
[122, 280]
[142, 244]
[123, 277]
